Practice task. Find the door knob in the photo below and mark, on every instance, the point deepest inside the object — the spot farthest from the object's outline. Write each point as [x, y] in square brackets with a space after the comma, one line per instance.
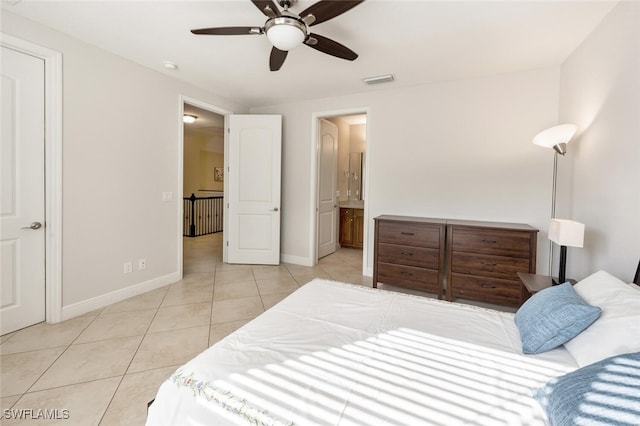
[34, 225]
[275, 209]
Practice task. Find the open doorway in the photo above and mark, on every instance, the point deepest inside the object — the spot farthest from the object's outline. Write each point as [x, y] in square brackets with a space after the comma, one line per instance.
[202, 187]
[341, 190]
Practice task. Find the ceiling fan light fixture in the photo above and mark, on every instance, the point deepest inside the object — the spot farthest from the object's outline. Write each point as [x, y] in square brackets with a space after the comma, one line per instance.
[285, 33]
[286, 30]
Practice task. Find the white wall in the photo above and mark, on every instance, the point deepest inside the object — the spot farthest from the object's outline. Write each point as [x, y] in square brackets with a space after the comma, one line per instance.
[209, 161]
[121, 133]
[600, 92]
[458, 149]
[357, 143]
[192, 147]
[203, 151]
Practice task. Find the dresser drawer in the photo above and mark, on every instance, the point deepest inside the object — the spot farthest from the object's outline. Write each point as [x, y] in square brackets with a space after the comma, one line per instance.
[486, 265]
[491, 241]
[409, 276]
[409, 234]
[491, 290]
[409, 255]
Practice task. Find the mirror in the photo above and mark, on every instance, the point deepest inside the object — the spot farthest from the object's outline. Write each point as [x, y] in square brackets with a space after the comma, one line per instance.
[356, 171]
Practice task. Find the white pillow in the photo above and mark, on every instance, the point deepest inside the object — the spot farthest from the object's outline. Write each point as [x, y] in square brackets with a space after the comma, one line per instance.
[617, 331]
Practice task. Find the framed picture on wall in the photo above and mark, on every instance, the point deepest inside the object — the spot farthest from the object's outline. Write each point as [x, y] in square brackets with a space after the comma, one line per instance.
[218, 174]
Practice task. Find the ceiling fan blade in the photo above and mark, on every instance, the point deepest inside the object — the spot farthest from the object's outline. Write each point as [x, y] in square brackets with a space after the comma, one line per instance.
[228, 31]
[328, 9]
[268, 7]
[277, 58]
[330, 47]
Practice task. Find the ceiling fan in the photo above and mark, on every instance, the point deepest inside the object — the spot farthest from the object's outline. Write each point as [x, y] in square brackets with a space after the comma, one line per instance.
[287, 30]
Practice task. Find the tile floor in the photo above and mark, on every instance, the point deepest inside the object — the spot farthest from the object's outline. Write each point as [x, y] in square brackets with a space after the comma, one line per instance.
[104, 366]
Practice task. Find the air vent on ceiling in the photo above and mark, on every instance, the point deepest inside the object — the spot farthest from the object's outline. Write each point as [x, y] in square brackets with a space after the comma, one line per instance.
[387, 78]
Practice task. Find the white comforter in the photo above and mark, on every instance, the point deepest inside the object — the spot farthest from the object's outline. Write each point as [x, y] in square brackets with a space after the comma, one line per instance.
[339, 354]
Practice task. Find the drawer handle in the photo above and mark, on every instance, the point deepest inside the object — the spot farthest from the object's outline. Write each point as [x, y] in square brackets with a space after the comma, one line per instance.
[407, 233]
[404, 253]
[489, 263]
[406, 274]
[488, 286]
[489, 241]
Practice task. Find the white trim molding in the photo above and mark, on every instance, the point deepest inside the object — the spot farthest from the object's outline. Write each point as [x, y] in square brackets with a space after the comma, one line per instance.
[73, 310]
[53, 169]
[313, 207]
[296, 260]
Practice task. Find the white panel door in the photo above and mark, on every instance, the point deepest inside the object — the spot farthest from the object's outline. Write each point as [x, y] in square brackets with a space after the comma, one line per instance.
[327, 176]
[22, 273]
[254, 189]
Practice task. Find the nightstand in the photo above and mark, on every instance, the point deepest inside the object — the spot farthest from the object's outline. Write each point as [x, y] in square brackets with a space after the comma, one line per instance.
[535, 282]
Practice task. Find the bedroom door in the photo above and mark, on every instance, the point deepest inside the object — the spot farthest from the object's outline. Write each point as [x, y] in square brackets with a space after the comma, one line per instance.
[253, 171]
[327, 176]
[22, 273]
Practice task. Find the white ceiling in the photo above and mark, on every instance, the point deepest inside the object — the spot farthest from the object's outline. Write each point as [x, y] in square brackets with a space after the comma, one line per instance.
[418, 41]
[205, 118]
[354, 119]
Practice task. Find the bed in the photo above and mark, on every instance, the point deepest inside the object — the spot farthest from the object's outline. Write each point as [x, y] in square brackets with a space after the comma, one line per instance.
[339, 354]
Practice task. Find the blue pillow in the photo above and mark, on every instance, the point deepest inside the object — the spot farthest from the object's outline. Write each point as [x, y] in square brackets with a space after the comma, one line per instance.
[604, 393]
[552, 317]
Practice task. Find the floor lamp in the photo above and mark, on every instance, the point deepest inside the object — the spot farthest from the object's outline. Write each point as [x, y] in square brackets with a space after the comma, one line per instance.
[556, 137]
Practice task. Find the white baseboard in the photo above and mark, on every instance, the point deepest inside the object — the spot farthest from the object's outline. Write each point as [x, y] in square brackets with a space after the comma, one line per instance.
[296, 260]
[98, 302]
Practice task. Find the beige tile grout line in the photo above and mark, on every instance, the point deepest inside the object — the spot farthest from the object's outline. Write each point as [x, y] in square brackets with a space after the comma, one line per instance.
[134, 356]
[255, 281]
[53, 362]
[213, 290]
[142, 340]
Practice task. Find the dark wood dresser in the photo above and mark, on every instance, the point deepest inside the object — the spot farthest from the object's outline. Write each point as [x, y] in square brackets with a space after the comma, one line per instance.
[484, 258]
[481, 260]
[409, 252]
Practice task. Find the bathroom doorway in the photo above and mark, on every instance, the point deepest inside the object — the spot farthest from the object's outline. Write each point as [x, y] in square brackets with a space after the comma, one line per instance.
[341, 145]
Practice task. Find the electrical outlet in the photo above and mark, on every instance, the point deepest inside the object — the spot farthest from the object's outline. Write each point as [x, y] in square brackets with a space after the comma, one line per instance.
[128, 267]
[142, 264]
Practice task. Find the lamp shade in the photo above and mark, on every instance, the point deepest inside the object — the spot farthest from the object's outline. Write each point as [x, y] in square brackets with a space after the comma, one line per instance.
[555, 135]
[566, 232]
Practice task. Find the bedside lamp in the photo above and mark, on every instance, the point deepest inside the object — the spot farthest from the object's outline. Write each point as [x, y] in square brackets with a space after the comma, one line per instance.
[565, 233]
